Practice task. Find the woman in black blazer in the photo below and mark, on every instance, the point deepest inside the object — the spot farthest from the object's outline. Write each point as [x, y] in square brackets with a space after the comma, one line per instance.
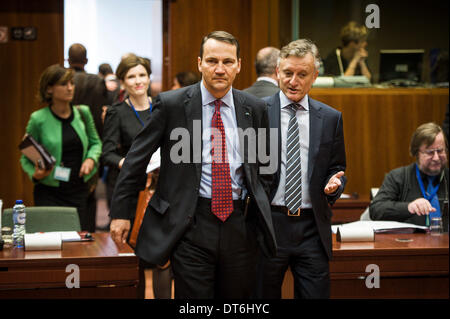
[125, 119]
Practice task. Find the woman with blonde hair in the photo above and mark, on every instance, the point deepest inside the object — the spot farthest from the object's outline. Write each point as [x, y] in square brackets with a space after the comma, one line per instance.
[350, 58]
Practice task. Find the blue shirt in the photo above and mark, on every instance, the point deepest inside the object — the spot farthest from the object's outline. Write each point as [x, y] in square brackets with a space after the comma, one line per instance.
[228, 115]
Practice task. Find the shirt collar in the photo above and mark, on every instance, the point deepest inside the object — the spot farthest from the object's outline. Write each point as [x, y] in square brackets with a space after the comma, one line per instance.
[284, 101]
[208, 98]
[268, 79]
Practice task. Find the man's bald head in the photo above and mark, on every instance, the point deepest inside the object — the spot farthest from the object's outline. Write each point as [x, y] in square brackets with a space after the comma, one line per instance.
[266, 61]
[77, 55]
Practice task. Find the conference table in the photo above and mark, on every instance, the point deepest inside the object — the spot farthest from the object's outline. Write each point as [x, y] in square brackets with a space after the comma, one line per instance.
[392, 266]
[102, 269]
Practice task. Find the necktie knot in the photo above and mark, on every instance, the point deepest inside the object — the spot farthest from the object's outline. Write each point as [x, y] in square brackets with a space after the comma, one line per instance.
[293, 108]
[217, 104]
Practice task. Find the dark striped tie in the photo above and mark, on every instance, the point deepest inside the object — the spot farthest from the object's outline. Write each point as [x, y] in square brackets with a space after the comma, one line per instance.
[293, 188]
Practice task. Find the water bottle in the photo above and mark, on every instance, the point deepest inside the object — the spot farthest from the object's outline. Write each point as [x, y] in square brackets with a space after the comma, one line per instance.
[19, 217]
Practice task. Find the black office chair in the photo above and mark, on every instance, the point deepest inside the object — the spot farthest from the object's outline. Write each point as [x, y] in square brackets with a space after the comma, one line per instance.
[46, 219]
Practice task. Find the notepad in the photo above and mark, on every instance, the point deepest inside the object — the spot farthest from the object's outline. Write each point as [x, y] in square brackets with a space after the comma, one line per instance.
[36, 152]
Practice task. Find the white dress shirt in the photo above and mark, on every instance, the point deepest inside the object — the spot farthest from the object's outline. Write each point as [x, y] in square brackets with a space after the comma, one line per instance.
[302, 116]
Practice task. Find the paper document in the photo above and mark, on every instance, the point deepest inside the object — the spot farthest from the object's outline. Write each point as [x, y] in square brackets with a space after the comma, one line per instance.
[380, 226]
[65, 235]
[69, 235]
[155, 161]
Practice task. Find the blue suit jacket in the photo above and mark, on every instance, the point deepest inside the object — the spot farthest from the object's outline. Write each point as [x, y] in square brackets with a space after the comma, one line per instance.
[326, 158]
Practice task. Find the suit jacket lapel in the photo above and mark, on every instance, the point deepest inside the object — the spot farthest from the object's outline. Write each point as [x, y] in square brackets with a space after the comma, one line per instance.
[243, 119]
[274, 110]
[315, 133]
[193, 110]
[243, 111]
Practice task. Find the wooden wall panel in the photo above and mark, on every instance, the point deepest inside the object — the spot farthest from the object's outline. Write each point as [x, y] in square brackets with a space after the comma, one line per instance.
[378, 124]
[255, 23]
[21, 63]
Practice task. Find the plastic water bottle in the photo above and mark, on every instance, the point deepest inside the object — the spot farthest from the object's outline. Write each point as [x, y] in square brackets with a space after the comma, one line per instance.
[19, 218]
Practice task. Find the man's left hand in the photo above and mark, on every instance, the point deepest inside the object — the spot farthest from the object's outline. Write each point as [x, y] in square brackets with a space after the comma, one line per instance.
[334, 183]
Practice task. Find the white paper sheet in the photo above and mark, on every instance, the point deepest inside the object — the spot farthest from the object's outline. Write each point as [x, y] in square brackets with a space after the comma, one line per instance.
[155, 161]
[378, 225]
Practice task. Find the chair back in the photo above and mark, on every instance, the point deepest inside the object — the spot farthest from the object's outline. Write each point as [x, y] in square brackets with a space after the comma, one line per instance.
[373, 192]
[366, 214]
[46, 219]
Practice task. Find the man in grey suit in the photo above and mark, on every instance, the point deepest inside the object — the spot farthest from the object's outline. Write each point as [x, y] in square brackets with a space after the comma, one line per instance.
[310, 177]
[207, 214]
[267, 83]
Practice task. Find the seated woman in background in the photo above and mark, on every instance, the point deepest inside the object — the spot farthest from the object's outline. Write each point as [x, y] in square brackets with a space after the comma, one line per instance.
[69, 134]
[350, 58]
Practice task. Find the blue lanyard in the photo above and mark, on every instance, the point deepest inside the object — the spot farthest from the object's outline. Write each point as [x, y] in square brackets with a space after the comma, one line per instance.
[422, 188]
[427, 196]
[137, 114]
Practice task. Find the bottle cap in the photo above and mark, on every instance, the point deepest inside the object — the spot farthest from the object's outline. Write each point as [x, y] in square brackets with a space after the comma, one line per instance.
[19, 201]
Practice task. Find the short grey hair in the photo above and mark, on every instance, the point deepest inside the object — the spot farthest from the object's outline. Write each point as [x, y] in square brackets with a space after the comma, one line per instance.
[300, 48]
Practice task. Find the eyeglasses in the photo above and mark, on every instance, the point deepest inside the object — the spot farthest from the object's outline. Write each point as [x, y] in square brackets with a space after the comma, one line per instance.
[430, 153]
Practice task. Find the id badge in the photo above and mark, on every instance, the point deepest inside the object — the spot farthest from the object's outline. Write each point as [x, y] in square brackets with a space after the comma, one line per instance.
[62, 173]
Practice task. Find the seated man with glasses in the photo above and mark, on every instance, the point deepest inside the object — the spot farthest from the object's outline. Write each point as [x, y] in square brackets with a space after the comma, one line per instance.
[417, 192]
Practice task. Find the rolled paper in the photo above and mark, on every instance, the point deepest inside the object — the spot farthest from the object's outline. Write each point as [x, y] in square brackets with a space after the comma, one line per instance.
[43, 241]
[354, 234]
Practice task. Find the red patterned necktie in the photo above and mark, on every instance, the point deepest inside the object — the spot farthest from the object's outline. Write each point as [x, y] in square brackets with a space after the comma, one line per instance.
[222, 198]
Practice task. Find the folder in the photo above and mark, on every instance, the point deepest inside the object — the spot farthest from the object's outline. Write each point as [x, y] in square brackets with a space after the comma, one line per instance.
[35, 152]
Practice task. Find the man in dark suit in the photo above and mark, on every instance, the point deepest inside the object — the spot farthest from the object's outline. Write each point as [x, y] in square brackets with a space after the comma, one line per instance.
[267, 83]
[90, 89]
[207, 213]
[310, 176]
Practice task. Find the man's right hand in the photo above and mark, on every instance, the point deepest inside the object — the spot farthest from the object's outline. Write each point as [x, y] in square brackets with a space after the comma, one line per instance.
[119, 230]
[420, 207]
